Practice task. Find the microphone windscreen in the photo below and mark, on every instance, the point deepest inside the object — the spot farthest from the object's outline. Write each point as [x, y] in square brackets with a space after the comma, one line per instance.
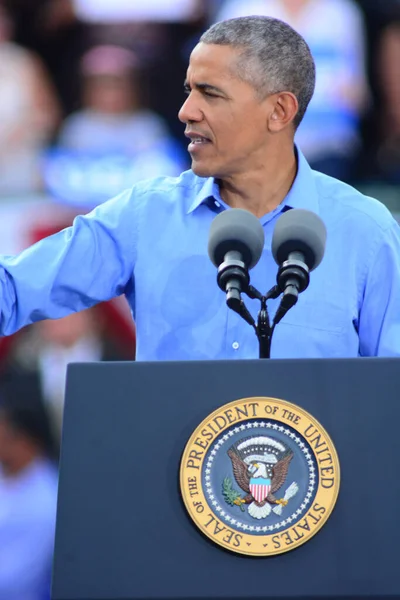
[236, 229]
[299, 230]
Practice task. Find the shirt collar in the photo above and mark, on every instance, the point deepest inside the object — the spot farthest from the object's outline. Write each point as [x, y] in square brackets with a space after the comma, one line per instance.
[302, 194]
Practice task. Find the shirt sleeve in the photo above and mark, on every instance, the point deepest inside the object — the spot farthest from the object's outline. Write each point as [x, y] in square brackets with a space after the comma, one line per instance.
[379, 323]
[89, 262]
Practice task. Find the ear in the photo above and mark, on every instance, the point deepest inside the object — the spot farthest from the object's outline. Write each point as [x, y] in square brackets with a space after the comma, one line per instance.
[284, 110]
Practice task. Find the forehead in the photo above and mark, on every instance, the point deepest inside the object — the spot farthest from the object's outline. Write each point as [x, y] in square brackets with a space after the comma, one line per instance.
[212, 61]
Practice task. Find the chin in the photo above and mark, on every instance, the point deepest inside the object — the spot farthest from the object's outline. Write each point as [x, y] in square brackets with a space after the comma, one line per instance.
[202, 170]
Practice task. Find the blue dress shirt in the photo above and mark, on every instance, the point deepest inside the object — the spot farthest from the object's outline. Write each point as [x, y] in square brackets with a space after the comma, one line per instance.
[150, 243]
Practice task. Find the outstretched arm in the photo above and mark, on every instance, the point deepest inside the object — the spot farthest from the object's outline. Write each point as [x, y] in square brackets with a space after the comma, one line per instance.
[87, 263]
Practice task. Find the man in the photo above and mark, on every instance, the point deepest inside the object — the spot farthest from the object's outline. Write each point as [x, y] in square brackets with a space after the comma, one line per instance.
[249, 83]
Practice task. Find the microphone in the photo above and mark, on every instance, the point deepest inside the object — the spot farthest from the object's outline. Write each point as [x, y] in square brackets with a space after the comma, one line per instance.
[235, 245]
[298, 246]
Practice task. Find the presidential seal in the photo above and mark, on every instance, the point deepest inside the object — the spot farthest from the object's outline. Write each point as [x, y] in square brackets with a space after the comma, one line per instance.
[259, 476]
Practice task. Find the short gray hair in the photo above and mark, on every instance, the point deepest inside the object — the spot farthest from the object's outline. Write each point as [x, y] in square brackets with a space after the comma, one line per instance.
[274, 58]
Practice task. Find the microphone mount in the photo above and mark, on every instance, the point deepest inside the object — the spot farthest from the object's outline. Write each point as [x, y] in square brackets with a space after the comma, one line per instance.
[234, 279]
[235, 245]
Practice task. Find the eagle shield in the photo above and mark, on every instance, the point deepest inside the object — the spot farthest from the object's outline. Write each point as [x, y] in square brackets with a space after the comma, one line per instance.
[259, 488]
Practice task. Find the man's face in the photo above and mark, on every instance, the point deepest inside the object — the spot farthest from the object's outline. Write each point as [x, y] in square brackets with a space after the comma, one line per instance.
[226, 122]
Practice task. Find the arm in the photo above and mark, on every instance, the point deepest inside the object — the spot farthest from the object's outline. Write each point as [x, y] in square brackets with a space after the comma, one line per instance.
[87, 263]
[379, 324]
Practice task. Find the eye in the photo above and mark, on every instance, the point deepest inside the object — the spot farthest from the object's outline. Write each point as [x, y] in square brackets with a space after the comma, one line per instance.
[186, 90]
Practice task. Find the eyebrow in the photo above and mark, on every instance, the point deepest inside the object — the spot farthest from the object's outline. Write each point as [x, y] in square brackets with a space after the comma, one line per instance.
[204, 87]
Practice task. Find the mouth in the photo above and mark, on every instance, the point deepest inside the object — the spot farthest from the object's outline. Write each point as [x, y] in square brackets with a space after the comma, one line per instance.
[197, 142]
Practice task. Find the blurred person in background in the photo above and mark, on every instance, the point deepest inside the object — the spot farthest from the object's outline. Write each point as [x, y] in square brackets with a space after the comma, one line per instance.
[115, 140]
[159, 32]
[29, 114]
[28, 496]
[41, 354]
[389, 70]
[51, 30]
[334, 29]
[112, 117]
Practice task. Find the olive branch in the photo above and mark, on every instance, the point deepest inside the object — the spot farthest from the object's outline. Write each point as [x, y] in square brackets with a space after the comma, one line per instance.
[231, 496]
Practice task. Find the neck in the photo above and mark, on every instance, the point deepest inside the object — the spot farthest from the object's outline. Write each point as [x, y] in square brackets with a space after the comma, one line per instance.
[262, 190]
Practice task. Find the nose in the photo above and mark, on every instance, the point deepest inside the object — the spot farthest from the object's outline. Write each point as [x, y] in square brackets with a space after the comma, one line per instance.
[190, 111]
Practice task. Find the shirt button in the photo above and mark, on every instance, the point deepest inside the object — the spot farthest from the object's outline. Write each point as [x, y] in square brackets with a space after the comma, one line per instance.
[217, 204]
[235, 345]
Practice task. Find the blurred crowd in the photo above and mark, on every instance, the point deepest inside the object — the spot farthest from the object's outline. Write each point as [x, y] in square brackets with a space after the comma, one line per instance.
[90, 90]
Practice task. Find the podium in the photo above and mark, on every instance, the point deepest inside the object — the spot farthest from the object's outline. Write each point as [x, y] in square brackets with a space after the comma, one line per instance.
[123, 531]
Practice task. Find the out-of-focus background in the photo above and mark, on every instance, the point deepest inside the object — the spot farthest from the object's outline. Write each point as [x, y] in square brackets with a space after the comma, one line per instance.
[89, 95]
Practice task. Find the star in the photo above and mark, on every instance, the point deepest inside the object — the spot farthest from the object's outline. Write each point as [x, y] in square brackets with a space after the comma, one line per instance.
[212, 496]
[233, 521]
[219, 508]
[249, 425]
[208, 471]
[275, 426]
[226, 437]
[258, 528]
[242, 427]
[256, 424]
[303, 506]
[223, 513]
[302, 445]
[289, 520]
[237, 429]
[252, 528]
[214, 503]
